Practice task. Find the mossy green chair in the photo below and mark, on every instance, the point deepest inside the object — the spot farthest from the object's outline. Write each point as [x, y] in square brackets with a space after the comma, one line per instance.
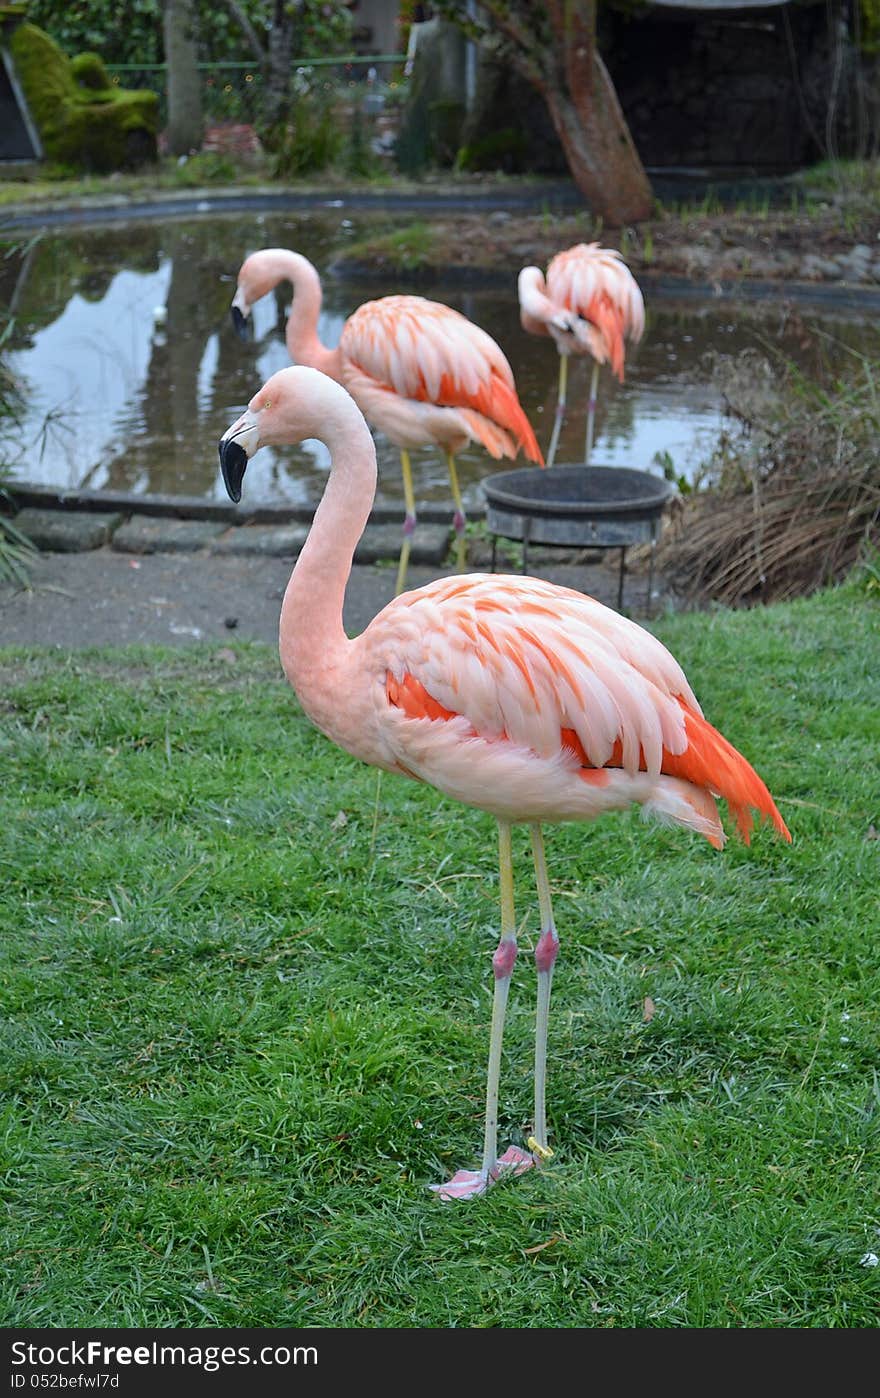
[83, 120]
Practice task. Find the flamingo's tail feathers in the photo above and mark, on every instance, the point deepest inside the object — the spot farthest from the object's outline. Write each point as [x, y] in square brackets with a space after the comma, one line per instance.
[508, 411]
[529, 444]
[506, 428]
[501, 440]
[497, 441]
[609, 317]
[710, 761]
[679, 803]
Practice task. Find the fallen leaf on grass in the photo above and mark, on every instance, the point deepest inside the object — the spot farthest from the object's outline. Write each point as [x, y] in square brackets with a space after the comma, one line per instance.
[539, 1247]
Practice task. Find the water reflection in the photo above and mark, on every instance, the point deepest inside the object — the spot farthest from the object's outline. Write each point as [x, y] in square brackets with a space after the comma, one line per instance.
[131, 371]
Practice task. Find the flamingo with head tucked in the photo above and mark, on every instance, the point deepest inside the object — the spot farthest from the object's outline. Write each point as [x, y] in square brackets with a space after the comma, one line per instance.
[590, 304]
[419, 371]
[529, 701]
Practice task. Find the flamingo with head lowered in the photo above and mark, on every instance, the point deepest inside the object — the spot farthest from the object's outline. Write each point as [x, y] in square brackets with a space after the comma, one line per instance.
[590, 304]
[530, 701]
[419, 371]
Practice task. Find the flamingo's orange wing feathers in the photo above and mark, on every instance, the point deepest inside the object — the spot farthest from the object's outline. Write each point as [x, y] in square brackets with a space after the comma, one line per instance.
[549, 669]
[709, 761]
[595, 283]
[431, 353]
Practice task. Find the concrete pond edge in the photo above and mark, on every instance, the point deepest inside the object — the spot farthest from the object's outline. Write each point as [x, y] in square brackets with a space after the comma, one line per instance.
[80, 521]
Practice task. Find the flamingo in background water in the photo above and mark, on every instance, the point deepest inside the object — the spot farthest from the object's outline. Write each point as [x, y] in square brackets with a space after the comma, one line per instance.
[590, 303]
[530, 701]
[419, 371]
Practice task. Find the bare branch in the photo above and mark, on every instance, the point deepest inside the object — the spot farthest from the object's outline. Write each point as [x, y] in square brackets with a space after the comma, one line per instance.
[250, 33]
[471, 26]
[521, 27]
[502, 25]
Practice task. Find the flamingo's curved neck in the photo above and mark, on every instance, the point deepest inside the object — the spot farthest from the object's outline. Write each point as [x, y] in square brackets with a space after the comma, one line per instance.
[312, 642]
[301, 334]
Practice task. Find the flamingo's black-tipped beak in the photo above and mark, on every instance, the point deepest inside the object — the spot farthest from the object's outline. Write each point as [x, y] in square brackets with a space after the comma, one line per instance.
[239, 322]
[237, 446]
[233, 464]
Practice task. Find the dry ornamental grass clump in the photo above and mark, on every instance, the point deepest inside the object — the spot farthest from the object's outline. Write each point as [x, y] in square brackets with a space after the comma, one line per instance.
[794, 502]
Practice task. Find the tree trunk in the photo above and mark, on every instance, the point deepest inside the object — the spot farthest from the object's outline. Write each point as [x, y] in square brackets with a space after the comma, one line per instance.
[553, 46]
[185, 124]
[279, 54]
[599, 149]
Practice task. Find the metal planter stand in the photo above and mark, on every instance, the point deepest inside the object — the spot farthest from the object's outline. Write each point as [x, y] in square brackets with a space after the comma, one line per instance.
[602, 507]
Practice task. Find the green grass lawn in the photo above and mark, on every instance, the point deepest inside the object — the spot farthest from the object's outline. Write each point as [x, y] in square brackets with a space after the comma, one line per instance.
[246, 1006]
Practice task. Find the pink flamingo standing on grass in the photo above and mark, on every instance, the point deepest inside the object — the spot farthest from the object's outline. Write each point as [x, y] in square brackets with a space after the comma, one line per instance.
[421, 372]
[530, 701]
[590, 303]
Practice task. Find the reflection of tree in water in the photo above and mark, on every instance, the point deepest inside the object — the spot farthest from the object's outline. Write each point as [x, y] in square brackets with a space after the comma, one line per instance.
[199, 375]
[40, 281]
[191, 370]
[170, 445]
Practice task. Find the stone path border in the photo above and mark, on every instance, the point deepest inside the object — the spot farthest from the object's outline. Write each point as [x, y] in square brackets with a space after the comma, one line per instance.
[80, 531]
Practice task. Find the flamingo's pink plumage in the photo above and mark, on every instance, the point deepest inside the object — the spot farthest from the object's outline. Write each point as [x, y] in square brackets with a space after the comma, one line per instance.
[527, 700]
[420, 372]
[404, 357]
[595, 284]
[591, 304]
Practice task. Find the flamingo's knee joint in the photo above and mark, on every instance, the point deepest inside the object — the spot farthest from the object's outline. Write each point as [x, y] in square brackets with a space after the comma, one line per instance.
[504, 958]
[547, 949]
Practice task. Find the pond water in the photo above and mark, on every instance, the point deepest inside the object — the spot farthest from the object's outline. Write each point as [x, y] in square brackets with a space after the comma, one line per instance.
[124, 348]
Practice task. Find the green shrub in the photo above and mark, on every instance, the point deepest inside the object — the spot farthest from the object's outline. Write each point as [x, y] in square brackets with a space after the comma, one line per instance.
[207, 167]
[500, 150]
[311, 139]
[445, 120]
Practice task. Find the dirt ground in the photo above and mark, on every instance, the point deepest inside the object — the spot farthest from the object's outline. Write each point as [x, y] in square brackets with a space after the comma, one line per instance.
[104, 598]
[831, 240]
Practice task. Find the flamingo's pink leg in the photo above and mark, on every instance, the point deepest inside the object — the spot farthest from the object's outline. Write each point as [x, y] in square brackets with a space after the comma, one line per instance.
[409, 522]
[545, 957]
[459, 519]
[466, 1183]
[560, 409]
[591, 411]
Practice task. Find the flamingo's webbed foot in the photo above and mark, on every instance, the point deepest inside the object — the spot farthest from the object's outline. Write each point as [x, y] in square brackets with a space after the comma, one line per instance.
[466, 1184]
